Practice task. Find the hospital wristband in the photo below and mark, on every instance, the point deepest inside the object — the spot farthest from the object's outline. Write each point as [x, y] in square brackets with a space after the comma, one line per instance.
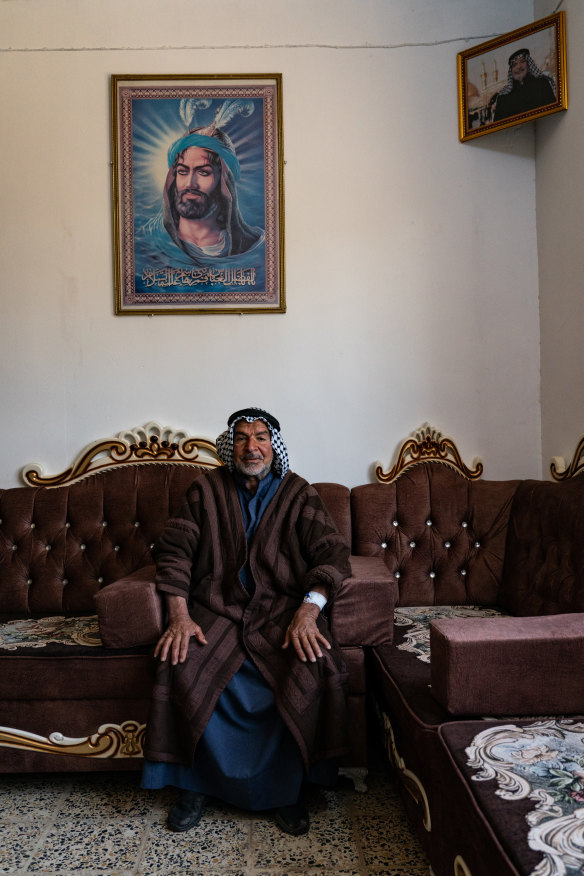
[314, 598]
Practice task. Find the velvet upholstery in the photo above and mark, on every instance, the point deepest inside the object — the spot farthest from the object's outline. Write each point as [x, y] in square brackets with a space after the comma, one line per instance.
[60, 545]
[442, 536]
[544, 560]
[130, 611]
[509, 665]
[362, 613]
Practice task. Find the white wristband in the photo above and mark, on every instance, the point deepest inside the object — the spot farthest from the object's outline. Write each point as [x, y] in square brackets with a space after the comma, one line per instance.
[314, 598]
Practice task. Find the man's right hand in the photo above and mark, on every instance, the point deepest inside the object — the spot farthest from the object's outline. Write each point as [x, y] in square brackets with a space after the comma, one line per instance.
[174, 642]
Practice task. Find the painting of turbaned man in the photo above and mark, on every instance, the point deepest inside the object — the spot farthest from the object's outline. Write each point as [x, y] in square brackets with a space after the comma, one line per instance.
[198, 197]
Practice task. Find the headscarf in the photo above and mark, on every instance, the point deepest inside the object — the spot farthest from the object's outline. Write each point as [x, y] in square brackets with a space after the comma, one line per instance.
[240, 235]
[280, 464]
[532, 68]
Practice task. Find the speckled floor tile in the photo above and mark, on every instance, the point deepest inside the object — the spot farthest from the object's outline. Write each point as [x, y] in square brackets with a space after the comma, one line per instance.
[17, 839]
[96, 824]
[329, 844]
[214, 846]
[36, 796]
[107, 797]
[81, 845]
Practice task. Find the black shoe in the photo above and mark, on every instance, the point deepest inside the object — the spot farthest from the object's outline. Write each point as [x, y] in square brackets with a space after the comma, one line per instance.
[293, 819]
[187, 812]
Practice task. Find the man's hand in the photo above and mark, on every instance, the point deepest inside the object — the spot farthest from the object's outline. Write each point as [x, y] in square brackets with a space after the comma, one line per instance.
[304, 634]
[181, 628]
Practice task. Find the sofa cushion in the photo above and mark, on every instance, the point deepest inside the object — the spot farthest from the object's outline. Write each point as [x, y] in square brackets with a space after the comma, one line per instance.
[523, 779]
[337, 499]
[544, 557]
[362, 611]
[36, 635]
[130, 611]
[509, 665]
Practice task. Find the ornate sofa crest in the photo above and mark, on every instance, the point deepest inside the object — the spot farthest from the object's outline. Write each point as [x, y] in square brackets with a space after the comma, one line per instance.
[562, 472]
[144, 444]
[427, 444]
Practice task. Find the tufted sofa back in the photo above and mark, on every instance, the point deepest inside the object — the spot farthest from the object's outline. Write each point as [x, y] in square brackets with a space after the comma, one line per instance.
[441, 535]
[448, 540]
[60, 545]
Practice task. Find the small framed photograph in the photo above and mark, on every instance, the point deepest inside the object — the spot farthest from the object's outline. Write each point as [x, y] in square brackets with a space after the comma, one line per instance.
[198, 194]
[514, 78]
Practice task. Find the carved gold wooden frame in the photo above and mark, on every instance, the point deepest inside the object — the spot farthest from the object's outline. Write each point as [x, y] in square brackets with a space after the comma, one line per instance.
[410, 780]
[482, 74]
[562, 472]
[427, 444]
[151, 443]
[114, 741]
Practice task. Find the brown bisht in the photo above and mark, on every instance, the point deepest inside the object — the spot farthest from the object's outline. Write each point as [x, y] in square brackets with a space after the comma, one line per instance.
[199, 556]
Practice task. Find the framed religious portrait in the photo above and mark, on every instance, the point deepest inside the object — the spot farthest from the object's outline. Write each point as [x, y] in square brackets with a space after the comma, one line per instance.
[514, 78]
[198, 194]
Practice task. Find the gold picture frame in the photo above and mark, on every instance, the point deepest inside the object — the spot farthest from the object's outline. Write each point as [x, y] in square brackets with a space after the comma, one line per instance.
[515, 78]
[198, 203]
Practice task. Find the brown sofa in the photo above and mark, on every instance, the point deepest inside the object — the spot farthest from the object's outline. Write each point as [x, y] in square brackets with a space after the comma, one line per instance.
[79, 611]
[480, 694]
[486, 737]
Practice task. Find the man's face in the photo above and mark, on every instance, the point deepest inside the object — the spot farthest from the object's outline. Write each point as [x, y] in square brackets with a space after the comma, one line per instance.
[196, 184]
[519, 68]
[252, 449]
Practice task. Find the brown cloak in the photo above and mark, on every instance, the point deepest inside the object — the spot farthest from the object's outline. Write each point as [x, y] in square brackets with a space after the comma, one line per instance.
[199, 556]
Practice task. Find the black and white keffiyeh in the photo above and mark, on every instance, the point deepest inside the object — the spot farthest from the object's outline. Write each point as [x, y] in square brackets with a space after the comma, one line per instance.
[280, 464]
[533, 69]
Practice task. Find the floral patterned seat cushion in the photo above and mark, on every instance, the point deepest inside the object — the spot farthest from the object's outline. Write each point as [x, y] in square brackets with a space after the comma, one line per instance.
[527, 778]
[31, 633]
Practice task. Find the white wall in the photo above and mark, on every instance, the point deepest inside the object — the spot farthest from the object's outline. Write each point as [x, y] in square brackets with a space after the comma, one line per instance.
[411, 272]
[560, 218]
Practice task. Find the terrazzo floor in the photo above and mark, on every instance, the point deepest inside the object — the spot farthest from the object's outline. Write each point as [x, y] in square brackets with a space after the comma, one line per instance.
[101, 823]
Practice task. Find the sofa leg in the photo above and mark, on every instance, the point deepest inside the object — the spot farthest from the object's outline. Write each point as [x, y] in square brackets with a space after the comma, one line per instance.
[357, 775]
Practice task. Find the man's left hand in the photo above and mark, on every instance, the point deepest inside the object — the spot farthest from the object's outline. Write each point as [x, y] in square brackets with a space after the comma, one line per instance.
[304, 635]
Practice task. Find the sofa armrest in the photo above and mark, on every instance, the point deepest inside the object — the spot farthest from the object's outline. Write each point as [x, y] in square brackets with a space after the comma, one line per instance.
[362, 610]
[509, 665]
[129, 611]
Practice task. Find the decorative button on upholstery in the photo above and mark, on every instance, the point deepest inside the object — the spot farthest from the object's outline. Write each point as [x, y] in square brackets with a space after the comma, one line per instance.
[82, 547]
[432, 574]
[398, 574]
[463, 571]
[14, 547]
[446, 544]
[67, 525]
[395, 523]
[65, 581]
[47, 547]
[428, 523]
[137, 523]
[100, 580]
[464, 524]
[104, 523]
[116, 547]
[412, 544]
[33, 525]
[29, 581]
[477, 544]
[384, 544]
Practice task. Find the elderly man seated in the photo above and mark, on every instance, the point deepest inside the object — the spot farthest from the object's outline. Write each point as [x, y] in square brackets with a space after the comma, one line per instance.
[249, 699]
